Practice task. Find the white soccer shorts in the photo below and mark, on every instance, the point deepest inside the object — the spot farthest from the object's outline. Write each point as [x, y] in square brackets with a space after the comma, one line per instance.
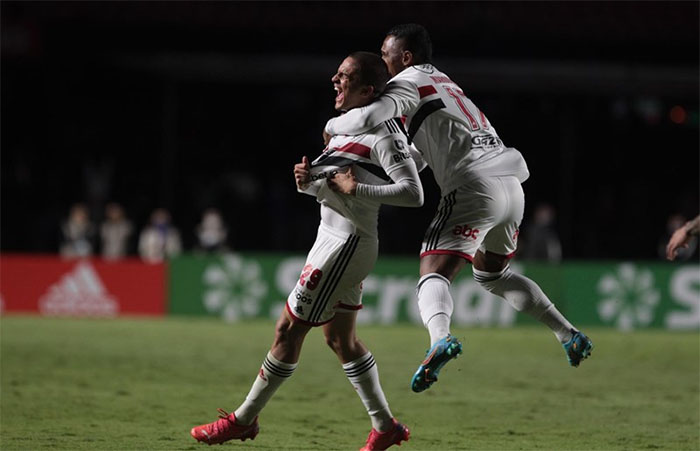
[331, 280]
[484, 214]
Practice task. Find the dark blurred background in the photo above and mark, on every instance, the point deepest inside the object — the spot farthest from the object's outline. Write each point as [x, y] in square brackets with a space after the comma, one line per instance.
[191, 106]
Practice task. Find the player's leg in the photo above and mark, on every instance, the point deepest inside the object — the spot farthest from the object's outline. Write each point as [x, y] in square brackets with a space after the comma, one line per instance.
[438, 267]
[359, 366]
[358, 363]
[362, 372]
[491, 271]
[437, 271]
[278, 366]
[435, 305]
[449, 243]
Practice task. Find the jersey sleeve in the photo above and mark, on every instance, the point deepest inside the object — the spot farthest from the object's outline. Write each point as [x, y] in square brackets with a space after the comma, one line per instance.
[406, 191]
[399, 97]
[417, 157]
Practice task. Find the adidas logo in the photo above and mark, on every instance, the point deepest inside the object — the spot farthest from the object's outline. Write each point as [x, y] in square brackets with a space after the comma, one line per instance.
[79, 293]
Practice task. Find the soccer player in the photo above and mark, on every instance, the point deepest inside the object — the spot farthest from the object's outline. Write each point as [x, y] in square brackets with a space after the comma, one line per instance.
[482, 205]
[351, 179]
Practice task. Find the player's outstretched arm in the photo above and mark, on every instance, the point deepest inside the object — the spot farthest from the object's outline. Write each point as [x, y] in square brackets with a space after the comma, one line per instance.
[399, 98]
[682, 237]
[406, 191]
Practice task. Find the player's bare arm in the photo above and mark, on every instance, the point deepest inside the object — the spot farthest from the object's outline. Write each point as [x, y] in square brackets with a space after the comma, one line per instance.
[682, 237]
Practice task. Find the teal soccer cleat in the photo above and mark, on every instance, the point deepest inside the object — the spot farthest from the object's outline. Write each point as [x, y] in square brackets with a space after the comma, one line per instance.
[578, 348]
[438, 355]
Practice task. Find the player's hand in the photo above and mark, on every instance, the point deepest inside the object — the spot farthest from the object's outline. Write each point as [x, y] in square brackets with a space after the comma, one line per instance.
[343, 182]
[326, 138]
[302, 173]
[680, 238]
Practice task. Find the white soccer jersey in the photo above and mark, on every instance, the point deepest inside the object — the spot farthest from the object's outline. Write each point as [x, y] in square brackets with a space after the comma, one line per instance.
[346, 245]
[376, 156]
[455, 138]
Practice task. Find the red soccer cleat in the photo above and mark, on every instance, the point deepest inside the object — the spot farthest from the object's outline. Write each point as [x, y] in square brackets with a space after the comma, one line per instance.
[225, 429]
[382, 440]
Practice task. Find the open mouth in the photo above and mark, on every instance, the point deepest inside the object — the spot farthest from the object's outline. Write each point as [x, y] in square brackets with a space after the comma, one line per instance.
[339, 97]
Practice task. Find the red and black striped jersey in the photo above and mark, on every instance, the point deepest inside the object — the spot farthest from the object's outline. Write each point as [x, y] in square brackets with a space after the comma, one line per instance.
[454, 136]
[374, 156]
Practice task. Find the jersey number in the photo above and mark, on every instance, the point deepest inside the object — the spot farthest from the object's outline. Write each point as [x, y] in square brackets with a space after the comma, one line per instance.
[313, 275]
[461, 101]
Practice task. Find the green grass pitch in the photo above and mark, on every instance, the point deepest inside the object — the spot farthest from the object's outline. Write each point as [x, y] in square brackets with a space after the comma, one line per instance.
[135, 384]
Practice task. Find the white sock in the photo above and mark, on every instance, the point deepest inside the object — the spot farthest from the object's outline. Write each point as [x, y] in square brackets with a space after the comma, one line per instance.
[435, 305]
[364, 376]
[272, 373]
[527, 297]
[438, 327]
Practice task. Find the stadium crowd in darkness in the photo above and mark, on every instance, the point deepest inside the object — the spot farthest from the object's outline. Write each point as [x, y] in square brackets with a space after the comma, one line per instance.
[114, 239]
[188, 107]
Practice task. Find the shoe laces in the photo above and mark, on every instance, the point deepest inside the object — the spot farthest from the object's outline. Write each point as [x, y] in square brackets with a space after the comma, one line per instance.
[222, 423]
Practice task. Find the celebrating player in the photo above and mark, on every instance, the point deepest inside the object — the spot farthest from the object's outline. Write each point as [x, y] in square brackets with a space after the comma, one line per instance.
[351, 179]
[482, 204]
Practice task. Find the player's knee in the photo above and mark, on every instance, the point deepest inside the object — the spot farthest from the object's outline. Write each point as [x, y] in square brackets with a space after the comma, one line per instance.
[489, 280]
[432, 279]
[337, 342]
[521, 293]
[288, 332]
[495, 282]
[445, 265]
[342, 345]
[333, 341]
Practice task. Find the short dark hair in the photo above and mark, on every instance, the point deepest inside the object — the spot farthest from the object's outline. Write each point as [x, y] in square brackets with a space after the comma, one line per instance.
[415, 39]
[371, 70]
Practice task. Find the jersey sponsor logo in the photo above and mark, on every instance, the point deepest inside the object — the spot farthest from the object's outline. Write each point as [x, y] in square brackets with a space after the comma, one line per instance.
[465, 231]
[401, 156]
[486, 141]
[399, 144]
[324, 175]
